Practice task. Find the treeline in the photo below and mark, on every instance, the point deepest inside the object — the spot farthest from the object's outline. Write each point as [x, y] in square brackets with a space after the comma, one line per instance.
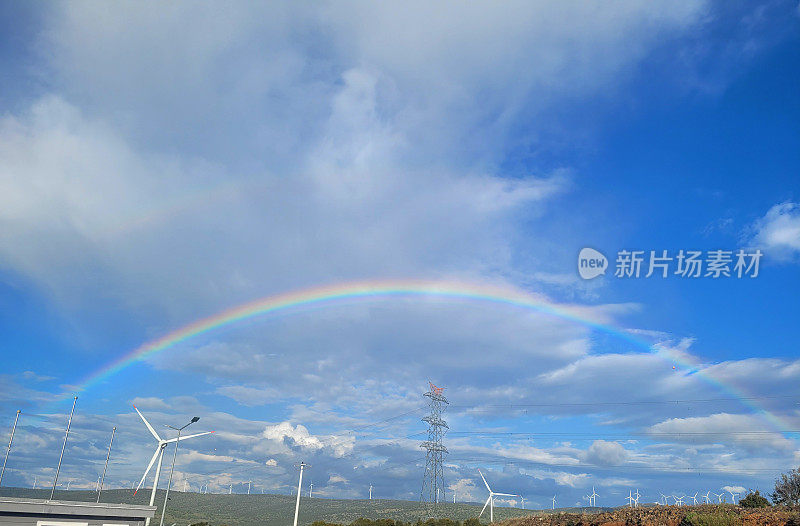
[390, 522]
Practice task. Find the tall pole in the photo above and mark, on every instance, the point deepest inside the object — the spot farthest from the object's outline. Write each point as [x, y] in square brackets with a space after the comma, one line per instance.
[108, 456]
[299, 487]
[311, 490]
[172, 469]
[155, 481]
[63, 447]
[169, 482]
[8, 450]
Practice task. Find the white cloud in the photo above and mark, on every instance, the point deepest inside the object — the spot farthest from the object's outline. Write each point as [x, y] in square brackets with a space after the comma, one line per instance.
[299, 436]
[602, 452]
[336, 479]
[778, 232]
[735, 489]
[745, 430]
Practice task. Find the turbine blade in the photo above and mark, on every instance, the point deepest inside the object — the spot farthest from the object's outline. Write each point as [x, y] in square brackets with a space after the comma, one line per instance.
[153, 431]
[484, 506]
[187, 436]
[150, 465]
[504, 494]
[484, 481]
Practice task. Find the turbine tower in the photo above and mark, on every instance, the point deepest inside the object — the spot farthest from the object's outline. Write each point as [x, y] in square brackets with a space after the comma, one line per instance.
[433, 478]
[159, 454]
[554, 502]
[490, 500]
[593, 496]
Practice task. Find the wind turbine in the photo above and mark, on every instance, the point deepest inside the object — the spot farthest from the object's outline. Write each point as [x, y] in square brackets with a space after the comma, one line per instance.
[523, 501]
[490, 500]
[664, 497]
[370, 492]
[708, 500]
[554, 502]
[679, 500]
[719, 496]
[159, 454]
[733, 496]
[248, 486]
[629, 498]
[594, 496]
[310, 490]
[636, 499]
[694, 498]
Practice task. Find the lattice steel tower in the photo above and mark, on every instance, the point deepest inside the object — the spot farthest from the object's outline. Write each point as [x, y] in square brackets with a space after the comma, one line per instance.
[433, 479]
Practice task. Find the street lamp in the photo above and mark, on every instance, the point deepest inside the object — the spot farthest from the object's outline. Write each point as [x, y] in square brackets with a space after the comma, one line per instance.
[172, 470]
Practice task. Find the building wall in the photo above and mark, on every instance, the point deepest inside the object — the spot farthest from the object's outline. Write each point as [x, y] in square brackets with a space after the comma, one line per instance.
[61, 520]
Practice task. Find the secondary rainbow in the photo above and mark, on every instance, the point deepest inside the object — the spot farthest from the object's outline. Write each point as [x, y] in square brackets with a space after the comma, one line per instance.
[336, 294]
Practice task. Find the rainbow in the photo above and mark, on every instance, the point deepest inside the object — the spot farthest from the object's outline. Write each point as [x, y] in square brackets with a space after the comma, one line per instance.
[387, 289]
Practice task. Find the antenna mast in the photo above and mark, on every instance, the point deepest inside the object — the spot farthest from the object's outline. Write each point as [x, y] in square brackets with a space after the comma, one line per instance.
[433, 478]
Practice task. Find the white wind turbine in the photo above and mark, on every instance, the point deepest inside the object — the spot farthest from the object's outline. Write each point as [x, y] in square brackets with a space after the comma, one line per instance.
[629, 498]
[705, 497]
[679, 500]
[593, 496]
[554, 502]
[694, 498]
[719, 496]
[636, 499]
[159, 454]
[733, 496]
[490, 500]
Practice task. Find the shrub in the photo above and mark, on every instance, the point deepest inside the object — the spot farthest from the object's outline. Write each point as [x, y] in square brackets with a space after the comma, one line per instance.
[754, 499]
[717, 518]
[787, 488]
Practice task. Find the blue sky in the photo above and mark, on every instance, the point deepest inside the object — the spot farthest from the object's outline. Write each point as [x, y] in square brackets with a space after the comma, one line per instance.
[161, 164]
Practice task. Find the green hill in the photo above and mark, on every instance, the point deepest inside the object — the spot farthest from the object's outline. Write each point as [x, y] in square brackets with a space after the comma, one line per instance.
[278, 510]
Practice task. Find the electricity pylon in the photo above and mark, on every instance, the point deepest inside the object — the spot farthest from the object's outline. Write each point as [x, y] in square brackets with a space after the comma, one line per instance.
[433, 478]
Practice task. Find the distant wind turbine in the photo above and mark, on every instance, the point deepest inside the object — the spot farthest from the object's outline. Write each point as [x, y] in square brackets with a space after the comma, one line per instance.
[733, 496]
[490, 500]
[705, 497]
[636, 499]
[594, 496]
[679, 500]
[694, 498]
[554, 502]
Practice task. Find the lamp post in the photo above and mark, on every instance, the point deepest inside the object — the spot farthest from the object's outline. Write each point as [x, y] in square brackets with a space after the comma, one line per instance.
[172, 469]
